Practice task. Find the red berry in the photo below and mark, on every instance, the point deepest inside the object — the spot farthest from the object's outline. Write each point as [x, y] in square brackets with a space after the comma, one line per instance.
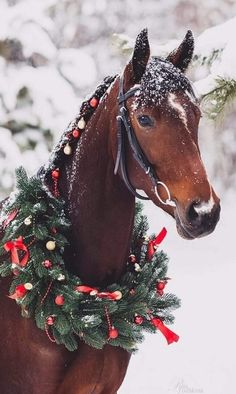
[59, 300]
[50, 320]
[93, 102]
[138, 320]
[47, 264]
[20, 291]
[160, 285]
[55, 174]
[113, 333]
[76, 133]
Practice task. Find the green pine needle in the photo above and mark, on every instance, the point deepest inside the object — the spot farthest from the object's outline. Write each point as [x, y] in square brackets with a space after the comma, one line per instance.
[220, 99]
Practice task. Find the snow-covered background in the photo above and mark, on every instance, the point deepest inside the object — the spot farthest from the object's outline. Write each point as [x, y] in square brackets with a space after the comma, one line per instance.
[54, 52]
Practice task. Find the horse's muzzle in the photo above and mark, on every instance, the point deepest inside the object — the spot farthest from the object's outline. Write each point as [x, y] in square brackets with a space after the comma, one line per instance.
[193, 223]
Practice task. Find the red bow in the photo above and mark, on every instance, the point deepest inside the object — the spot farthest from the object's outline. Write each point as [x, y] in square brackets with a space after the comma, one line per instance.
[168, 334]
[153, 243]
[13, 247]
[20, 292]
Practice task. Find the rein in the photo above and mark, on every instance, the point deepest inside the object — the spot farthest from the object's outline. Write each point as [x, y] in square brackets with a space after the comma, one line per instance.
[126, 130]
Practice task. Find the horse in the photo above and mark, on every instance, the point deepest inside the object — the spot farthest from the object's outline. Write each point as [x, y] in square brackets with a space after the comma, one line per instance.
[142, 136]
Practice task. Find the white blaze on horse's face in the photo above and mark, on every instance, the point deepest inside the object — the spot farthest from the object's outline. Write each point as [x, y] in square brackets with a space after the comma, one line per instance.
[173, 102]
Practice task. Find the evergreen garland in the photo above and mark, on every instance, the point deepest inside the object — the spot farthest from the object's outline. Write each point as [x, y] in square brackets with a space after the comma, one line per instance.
[35, 236]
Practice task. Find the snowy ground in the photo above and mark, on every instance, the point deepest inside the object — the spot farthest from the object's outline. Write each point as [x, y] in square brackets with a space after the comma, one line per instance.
[203, 273]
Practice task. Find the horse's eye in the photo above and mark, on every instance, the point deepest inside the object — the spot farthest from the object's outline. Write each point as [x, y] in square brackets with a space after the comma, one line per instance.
[145, 121]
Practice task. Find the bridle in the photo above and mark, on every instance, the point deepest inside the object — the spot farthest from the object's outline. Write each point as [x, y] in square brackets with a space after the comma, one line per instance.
[125, 130]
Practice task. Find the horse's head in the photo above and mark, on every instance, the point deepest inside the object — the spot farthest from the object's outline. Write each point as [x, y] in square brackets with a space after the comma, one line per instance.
[164, 114]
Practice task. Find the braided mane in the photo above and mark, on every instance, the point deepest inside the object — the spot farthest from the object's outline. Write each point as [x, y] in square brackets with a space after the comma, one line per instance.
[58, 156]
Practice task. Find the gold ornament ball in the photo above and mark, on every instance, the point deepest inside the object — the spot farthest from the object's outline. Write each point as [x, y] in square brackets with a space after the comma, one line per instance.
[27, 221]
[28, 286]
[137, 267]
[117, 294]
[51, 245]
[67, 150]
[61, 277]
[81, 124]
[93, 292]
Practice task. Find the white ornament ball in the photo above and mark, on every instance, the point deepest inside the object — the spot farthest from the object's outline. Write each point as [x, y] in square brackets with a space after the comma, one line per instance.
[137, 267]
[51, 245]
[28, 286]
[61, 277]
[117, 294]
[81, 124]
[67, 150]
[13, 266]
[93, 292]
[28, 221]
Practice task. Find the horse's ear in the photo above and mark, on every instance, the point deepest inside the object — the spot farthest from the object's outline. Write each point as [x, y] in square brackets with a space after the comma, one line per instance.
[137, 66]
[141, 55]
[182, 56]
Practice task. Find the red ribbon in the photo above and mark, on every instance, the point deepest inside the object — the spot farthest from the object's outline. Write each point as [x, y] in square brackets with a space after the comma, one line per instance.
[94, 291]
[153, 243]
[106, 294]
[10, 217]
[86, 289]
[13, 247]
[168, 334]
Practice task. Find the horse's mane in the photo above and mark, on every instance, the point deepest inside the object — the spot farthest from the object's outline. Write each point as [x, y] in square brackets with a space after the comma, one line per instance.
[57, 156]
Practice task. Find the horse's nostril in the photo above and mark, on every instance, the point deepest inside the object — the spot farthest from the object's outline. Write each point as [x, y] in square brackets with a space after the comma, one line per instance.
[192, 212]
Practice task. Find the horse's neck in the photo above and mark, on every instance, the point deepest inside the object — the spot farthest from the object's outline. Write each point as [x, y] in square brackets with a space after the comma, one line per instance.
[100, 207]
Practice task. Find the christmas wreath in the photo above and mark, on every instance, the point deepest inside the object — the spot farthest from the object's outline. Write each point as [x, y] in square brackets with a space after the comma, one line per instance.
[35, 237]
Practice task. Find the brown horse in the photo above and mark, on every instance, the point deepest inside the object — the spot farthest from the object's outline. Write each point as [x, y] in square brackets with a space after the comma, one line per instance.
[156, 151]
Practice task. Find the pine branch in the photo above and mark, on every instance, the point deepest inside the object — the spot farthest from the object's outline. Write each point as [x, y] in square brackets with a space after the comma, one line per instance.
[219, 100]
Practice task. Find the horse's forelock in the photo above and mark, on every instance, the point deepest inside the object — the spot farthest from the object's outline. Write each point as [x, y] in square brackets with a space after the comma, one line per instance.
[161, 78]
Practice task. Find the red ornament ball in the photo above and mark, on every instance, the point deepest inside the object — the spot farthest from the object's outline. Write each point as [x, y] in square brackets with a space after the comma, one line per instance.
[47, 264]
[138, 320]
[132, 258]
[50, 320]
[93, 102]
[20, 291]
[59, 300]
[55, 174]
[113, 333]
[76, 133]
[160, 285]
[16, 272]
